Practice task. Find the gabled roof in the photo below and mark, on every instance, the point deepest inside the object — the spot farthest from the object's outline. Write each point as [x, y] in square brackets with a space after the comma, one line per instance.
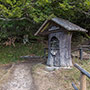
[63, 23]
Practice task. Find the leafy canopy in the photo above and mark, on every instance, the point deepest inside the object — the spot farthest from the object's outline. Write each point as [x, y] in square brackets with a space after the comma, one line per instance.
[39, 10]
[15, 14]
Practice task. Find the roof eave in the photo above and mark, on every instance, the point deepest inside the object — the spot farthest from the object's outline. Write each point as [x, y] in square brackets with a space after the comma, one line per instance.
[40, 28]
[68, 29]
[78, 30]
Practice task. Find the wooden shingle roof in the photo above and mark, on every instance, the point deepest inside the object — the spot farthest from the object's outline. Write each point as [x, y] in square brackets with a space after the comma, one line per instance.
[63, 23]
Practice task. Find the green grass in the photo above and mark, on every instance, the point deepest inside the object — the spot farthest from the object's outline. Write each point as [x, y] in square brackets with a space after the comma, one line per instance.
[12, 54]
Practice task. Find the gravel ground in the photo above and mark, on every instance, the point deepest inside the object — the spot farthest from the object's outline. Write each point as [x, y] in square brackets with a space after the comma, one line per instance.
[20, 78]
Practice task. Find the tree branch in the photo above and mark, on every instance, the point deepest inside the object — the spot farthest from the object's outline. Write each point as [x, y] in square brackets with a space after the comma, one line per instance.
[86, 13]
[16, 19]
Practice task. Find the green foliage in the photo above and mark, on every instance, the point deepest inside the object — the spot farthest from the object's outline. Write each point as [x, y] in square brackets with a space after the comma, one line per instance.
[37, 11]
[87, 36]
[12, 8]
[10, 54]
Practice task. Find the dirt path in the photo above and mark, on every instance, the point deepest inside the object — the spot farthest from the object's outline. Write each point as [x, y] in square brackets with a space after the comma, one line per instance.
[32, 75]
[20, 78]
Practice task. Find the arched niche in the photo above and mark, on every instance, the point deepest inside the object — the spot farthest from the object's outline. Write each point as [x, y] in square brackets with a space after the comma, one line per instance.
[54, 43]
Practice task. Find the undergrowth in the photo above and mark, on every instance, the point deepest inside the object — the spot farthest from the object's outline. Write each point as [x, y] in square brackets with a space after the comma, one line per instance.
[12, 54]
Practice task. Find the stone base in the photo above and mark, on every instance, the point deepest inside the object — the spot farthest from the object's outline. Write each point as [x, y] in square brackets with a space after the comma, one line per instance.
[56, 68]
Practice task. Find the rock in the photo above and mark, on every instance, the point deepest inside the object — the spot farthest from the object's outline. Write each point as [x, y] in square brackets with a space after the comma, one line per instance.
[50, 68]
[86, 57]
[76, 54]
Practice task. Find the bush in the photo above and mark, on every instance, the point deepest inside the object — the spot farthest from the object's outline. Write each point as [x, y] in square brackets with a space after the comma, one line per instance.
[17, 29]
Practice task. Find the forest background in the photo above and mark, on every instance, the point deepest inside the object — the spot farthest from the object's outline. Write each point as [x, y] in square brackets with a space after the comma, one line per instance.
[22, 18]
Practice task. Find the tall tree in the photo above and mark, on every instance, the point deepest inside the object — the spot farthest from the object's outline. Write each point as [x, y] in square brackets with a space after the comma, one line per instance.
[36, 11]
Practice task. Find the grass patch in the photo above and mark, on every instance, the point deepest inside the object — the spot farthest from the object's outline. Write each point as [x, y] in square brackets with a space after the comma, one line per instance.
[60, 79]
[12, 54]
